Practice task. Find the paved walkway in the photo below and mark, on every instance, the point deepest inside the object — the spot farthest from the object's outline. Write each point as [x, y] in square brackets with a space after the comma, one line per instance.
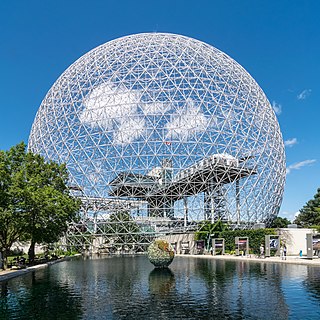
[252, 258]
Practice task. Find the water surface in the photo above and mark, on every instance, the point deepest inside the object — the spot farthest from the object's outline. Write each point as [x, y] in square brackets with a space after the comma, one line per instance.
[193, 288]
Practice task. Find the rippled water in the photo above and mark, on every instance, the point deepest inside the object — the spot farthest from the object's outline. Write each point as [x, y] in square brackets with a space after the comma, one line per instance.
[193, 288]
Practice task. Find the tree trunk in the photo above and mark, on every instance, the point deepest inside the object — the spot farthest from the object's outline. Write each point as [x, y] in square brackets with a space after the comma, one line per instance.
[31, 252]
[4, 259]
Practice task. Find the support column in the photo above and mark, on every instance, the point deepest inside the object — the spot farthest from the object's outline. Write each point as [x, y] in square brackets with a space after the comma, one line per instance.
[95, 210]
[185, 203]
[95, 223]
[238, 202]
[209, 208]
[212, 211]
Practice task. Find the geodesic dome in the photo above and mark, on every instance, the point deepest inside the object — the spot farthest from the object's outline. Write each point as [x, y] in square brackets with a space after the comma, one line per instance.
[168, 124]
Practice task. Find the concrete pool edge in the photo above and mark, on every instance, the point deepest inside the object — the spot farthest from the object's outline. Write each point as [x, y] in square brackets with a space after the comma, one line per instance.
[9, 274]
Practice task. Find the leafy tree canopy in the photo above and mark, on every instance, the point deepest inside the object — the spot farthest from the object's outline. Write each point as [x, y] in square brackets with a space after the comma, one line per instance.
[310, 213]
[279, 222]
[35, 202]
[12, 223]
[124, 228]
[208, 230]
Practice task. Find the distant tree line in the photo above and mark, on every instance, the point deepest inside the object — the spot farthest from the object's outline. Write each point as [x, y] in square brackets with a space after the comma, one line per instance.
[35, 204]
[278, 222]
[309, 215]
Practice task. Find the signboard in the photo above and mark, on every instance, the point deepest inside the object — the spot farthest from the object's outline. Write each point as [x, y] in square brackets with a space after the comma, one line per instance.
[242, 245]
[217, 246]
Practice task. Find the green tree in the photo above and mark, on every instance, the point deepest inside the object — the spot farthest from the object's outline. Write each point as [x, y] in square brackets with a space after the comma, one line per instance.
[310, 213]
[45, 200]
[122, 228]
[279, 222]
[37, 205]
[208, 230]
[12, 225]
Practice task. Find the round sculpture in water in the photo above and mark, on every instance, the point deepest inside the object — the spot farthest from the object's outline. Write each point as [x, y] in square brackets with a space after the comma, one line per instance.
[168, 129]
[160, 253]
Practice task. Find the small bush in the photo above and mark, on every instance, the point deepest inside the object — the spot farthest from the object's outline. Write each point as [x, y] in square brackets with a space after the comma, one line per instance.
[16, 252]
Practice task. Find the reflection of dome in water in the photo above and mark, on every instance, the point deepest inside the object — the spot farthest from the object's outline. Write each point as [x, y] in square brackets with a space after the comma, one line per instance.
[160, 253]
[161, 281]
[169, 120]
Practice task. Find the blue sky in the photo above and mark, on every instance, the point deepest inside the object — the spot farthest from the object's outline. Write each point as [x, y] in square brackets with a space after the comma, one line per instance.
[277, 42]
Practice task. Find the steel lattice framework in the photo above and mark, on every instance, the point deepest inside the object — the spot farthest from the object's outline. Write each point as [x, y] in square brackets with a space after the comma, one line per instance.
[160, 131]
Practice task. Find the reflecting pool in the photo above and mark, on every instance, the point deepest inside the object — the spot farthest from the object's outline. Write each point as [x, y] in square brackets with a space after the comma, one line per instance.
[193, 288]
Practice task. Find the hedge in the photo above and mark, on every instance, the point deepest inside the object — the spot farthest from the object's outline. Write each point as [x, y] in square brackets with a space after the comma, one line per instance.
[256, 238]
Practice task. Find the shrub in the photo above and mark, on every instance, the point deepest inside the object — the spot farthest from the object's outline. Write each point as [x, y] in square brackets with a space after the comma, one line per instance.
[256, 237]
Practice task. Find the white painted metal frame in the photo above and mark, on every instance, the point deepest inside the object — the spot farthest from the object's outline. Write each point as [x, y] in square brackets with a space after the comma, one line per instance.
[169, 123]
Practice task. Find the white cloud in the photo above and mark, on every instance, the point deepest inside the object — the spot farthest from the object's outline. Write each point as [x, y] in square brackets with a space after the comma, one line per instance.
[122, 111]
[188, 121]
[304, 94]
[106, 103]
[277, 107]
[129, 130]
[289, 215]
[298, 165]
[291, 142]
[113, 109]
[155, 108]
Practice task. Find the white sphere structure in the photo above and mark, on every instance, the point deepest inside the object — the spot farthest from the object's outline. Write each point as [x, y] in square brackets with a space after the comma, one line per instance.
[168, 124]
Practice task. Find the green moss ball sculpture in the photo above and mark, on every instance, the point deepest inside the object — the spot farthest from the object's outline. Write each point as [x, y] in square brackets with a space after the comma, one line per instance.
[160, 253]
